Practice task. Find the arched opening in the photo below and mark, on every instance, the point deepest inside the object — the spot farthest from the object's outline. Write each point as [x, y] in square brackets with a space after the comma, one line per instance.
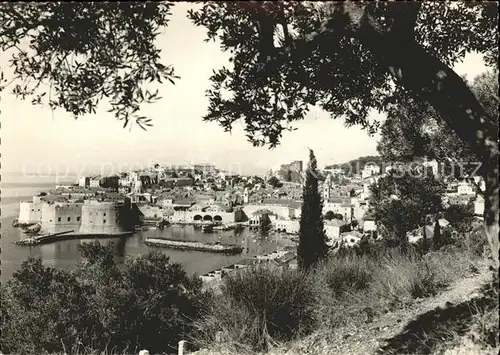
[217, 218]
[207, 218]
[198, 217]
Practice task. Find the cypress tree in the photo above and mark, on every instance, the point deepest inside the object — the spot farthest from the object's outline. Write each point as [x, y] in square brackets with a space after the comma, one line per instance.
[437, 236]
[312, 238]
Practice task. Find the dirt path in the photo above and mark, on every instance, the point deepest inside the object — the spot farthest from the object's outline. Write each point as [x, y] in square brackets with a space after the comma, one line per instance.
[398, 332]
[404, 331]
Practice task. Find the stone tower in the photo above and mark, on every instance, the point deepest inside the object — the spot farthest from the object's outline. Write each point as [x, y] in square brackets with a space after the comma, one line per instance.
[326, 188]
[246, 195]
[138, 186]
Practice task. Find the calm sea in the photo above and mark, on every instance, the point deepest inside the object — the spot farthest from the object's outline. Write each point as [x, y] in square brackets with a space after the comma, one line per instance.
[65, 254]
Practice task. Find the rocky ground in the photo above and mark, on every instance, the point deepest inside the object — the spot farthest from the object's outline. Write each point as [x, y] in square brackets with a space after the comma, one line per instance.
[416, 329]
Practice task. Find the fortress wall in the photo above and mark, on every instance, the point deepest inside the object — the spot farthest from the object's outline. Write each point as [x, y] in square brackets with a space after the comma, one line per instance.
[59, 217]
[104, 218]
[151, 211]
[29, 212]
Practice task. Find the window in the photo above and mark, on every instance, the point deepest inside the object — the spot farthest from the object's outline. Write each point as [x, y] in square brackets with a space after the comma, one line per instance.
[78, 219]
[117, 220]
[104, 221]
[104, 213]
[38, 210]
[69, 219]
[33, 210]
[59, 219]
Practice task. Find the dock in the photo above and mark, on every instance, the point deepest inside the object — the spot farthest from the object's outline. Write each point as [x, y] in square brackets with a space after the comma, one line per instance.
[67, 235]
[225, 227]
[198, 246]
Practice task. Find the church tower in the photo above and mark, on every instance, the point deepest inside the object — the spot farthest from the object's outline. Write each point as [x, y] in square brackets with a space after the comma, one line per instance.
[246, 195]
[326, 188]
[138, 186]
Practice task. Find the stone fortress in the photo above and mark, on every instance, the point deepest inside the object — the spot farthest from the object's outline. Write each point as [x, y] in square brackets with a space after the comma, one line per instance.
[86, 217]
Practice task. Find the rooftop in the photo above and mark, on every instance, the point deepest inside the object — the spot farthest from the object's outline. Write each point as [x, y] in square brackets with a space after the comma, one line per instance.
[346, 204]
[335, 223]
[261, 212]
[368, 217]
[352, 234]
[184, 202]
[339, 199]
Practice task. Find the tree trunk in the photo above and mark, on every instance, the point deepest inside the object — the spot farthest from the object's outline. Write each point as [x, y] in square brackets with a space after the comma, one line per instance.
[426, 76]
[491, 209]
[422, 74]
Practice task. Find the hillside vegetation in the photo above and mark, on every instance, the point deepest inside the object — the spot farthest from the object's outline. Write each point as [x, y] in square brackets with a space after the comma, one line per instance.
[371, 293]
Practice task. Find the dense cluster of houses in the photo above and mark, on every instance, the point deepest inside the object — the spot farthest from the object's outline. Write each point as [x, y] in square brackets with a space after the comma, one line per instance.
[204, 194]
[350, 201]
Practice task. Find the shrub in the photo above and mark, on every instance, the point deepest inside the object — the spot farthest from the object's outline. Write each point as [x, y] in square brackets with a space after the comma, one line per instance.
[258, 307]
[33, 319]
[98, 306]
[345, 275]
[340, 287]
[354, 288]
[450, 263]
[401, 276]
[460, 217]
[485, 322]
[162, 301]
[476, 241]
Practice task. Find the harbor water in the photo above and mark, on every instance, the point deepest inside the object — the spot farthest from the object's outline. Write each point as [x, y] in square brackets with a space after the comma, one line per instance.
[65, 254]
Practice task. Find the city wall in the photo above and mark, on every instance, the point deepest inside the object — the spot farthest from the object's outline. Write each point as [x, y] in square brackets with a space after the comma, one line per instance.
[206, 216]
[105, 217]
[30, 212]
[61, 217]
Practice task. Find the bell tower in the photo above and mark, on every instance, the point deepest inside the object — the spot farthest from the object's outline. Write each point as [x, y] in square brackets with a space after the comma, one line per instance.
[326, 188]
[246, 195]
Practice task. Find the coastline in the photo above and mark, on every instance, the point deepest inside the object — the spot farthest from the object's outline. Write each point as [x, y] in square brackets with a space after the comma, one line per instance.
[65, 253]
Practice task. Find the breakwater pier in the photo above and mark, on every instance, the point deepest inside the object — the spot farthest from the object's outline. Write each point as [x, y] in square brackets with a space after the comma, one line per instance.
[68, 235]
[198, 246]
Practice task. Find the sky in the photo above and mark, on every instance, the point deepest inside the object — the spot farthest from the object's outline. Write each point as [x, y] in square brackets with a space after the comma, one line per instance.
[36, 140]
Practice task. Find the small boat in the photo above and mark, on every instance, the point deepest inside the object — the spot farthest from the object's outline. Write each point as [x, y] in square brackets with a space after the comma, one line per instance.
[208, 228]
[35, 229]
[162, 224]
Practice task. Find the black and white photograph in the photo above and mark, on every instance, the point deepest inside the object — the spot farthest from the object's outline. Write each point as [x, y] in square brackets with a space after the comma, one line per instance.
[249, 178]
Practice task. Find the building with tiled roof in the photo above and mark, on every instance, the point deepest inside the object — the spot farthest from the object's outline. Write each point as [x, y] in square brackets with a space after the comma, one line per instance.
[334, 228]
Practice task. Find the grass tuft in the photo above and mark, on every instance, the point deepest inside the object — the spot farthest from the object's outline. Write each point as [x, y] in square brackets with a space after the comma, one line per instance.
[257, 309]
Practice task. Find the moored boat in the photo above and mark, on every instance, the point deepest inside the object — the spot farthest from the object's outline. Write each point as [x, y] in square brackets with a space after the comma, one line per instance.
[208, 228]
[34, 229]
[162, 224]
